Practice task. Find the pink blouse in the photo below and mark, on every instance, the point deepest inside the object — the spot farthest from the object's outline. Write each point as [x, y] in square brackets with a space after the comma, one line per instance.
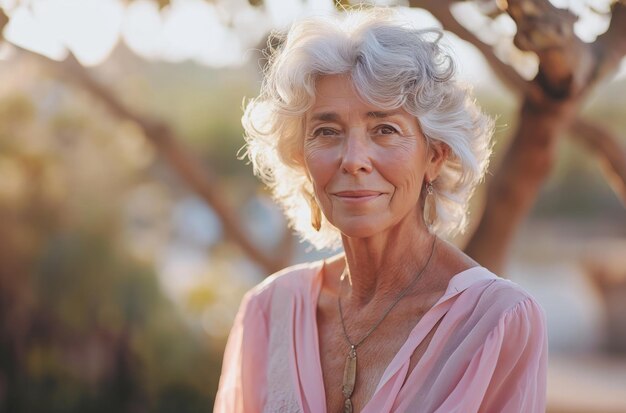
[489, 354]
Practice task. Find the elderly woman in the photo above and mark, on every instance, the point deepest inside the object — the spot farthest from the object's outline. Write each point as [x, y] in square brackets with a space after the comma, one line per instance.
[369, 143]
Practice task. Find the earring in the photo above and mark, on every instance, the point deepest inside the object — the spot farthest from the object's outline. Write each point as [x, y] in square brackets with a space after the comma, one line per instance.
[430, 208]
[316, 215]
[430, 189]
[316, 212]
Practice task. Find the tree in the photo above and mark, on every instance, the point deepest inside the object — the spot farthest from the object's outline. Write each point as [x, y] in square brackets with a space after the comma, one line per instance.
[568, 70]
[550, 103]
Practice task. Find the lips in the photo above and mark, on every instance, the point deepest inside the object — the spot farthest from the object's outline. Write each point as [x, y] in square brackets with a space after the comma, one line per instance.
[357, 194]
[357, 197]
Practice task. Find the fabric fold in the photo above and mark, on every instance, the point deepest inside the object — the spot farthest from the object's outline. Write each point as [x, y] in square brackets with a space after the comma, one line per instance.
[488, 352]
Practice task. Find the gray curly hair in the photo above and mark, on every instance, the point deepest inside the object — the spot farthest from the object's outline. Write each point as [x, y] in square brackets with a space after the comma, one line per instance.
[391, 65]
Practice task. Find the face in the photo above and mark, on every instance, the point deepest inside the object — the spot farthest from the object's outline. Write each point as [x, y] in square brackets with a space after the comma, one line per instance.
[367, 165]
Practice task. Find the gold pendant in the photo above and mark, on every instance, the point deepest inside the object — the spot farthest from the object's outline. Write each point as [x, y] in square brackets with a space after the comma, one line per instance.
[347, 406]
[349, 378]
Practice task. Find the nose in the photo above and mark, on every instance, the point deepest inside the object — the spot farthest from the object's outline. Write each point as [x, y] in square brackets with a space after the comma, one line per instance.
[356, 155]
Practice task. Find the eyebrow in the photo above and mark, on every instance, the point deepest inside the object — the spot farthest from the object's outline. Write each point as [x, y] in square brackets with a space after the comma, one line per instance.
[334, 117]
[382, 115]
[325, 117]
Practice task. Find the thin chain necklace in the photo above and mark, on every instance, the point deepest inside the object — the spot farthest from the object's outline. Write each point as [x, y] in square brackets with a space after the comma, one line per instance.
[349, 371]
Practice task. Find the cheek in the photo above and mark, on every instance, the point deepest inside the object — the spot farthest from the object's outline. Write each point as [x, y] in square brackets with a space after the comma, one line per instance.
[318, 163]
[405, 171]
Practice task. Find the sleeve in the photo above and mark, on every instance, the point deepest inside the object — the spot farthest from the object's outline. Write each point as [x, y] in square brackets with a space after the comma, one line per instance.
[508, 373]
[242, 381]
[518, 351]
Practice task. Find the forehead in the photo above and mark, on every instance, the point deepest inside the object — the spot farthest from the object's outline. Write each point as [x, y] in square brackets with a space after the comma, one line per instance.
[334, 87]
[336, 96]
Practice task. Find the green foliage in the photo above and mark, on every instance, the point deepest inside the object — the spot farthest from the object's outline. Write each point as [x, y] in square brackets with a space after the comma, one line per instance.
[204, 107]
[84, 324]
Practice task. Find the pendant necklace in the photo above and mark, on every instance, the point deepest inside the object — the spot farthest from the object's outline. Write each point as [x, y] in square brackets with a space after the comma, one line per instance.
[349, 371]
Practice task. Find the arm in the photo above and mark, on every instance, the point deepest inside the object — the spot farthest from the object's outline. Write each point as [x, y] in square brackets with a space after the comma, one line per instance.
[518, 348]
[242, 382]
[507, 374]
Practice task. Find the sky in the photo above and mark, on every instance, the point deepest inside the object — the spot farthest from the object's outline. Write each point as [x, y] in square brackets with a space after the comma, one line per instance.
[224, 33]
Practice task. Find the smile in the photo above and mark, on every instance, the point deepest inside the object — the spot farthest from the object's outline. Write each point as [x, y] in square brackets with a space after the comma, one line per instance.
[357, 196]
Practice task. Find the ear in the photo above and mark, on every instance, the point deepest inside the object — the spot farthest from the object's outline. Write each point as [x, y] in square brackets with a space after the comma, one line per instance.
[438, 153]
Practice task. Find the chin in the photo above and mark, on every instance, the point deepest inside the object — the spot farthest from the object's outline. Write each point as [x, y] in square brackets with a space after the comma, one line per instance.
[363, 227]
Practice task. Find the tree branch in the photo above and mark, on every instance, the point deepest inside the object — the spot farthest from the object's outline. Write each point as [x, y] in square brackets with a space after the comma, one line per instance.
[566, 64]
[4, 19]
[441, 11]
[188, 167]
[568, 69]
[610, 47]
[515, 184]
[607, 148]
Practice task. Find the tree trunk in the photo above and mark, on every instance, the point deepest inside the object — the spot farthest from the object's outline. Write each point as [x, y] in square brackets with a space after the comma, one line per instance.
[517, 181]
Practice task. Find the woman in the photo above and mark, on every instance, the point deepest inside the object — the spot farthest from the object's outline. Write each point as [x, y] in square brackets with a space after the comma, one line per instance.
[368, 142]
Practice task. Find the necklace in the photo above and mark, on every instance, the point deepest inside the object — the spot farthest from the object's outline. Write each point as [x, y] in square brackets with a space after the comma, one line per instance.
[349, 371]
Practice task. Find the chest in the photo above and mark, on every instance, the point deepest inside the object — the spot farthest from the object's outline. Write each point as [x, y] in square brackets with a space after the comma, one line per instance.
[373, 355]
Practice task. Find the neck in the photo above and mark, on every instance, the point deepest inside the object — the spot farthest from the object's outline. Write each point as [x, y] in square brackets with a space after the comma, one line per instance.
[379, 267]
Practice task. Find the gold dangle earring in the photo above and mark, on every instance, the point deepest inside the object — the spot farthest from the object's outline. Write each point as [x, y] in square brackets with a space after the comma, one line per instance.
[316, 216]
[316, 212]
[430, 208]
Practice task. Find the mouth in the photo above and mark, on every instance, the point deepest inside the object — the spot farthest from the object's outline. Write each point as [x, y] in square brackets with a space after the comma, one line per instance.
[357, 196]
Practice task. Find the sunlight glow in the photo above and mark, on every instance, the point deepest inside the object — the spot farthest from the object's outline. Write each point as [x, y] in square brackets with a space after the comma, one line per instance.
[282, 12]
[224, 32]
[7, 50]
[26, 31]
[591, 23]
[8, 4]
[251, 24]
[89, 28]
[184, 30]
[141, 29]
[621, 73]
[470, 64]
[189, 30]
[593, 16]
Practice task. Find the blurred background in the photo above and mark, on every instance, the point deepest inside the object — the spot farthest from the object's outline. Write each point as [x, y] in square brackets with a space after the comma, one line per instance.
[129, 228]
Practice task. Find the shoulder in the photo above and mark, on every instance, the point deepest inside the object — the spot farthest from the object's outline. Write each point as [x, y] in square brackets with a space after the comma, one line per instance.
[494, 300]
[505, 344]
[288, 282]
[497, 291]
[516, 331]
[507, 296]
[293, 277]
[516, 310]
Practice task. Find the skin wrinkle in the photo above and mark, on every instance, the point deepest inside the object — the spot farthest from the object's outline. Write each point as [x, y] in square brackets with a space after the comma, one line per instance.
[345, 150]
[317, 69]
[416, 70]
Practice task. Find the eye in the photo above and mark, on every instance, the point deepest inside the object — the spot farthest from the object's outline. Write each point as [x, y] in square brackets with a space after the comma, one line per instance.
[386, 130]
[324, 132]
